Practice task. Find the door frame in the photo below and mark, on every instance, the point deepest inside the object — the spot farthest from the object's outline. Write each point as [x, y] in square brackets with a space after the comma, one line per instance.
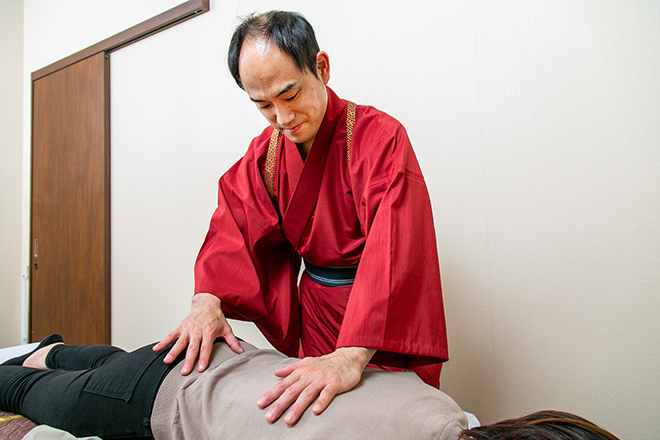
[167, 19]
[160, 22]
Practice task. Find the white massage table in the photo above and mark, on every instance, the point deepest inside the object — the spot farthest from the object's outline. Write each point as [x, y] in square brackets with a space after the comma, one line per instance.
[10, 352]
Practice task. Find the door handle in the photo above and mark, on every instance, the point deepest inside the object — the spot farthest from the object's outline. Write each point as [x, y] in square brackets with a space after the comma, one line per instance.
[36, 252]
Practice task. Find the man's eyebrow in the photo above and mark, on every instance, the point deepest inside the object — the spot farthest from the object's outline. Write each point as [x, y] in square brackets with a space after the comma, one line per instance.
[286, 89]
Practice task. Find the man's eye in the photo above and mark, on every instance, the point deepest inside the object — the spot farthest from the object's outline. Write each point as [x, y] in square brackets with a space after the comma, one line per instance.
[292, 98]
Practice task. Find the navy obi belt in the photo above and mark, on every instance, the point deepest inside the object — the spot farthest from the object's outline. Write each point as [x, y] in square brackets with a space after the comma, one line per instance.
[331, 276]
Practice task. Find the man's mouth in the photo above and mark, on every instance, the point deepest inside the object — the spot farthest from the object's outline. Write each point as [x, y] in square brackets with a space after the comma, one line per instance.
[292, 130]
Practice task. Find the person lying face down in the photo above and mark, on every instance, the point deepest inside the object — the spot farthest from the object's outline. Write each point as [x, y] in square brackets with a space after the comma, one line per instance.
[107, 392]
[104, 391]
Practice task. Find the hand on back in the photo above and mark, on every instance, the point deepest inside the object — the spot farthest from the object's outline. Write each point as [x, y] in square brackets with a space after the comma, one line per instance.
[200, 328]
[305, 380]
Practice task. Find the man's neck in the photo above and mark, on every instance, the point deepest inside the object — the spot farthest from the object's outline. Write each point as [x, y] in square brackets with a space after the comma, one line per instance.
[304, 148]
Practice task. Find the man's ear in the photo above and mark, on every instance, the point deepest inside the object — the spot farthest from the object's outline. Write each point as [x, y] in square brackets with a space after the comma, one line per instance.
[323, 66]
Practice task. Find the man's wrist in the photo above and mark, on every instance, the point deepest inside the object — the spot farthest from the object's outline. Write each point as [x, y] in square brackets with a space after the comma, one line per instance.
[358, 355]
[206, 298]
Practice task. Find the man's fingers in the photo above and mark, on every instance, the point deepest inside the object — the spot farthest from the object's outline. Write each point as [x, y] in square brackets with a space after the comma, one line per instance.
[310, 379]
[305, 398]
[324, 399]
[191, 356]
[288, 369]
[233, 343]
[198, 331]
[175, 350]
[205, 352]
[274, 393]
[290, 395]
[167, 340]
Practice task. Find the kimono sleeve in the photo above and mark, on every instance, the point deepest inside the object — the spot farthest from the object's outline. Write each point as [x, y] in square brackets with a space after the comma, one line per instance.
[396, 302]
[245, 260]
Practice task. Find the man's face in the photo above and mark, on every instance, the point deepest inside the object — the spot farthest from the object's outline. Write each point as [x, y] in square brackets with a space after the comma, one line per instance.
[292, 101]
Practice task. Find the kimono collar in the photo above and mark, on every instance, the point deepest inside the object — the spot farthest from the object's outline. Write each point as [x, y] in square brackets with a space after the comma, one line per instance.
[333, 114]
[303, 202]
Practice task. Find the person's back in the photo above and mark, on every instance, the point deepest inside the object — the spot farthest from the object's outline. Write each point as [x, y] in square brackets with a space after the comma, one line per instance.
[219, 403]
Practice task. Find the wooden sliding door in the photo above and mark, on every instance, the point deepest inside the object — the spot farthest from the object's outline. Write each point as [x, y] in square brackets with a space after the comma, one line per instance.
[70, 274]
[70, 224]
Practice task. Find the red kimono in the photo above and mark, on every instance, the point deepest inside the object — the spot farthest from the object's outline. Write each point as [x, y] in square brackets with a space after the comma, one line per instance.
[340, 207]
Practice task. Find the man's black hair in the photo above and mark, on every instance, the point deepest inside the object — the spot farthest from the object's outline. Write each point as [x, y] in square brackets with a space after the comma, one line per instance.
[290, 32]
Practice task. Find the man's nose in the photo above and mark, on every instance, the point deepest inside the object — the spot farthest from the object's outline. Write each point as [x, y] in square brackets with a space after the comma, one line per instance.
[284, 116]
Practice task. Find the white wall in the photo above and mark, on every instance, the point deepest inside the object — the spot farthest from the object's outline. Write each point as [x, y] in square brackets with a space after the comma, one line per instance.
[11, 153]
[536, 126]
[178, 122]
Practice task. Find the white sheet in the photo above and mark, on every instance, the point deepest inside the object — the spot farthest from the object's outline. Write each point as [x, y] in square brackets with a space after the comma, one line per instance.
[10, 352]
[473, 422]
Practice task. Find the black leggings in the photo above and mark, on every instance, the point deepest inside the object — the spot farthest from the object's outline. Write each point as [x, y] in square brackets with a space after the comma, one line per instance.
[88, 390]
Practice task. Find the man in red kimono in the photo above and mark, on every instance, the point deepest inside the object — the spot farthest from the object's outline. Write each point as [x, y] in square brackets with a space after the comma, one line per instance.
[338, 186]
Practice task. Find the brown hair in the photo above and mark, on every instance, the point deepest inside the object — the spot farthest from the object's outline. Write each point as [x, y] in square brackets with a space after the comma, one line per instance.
[542, 425]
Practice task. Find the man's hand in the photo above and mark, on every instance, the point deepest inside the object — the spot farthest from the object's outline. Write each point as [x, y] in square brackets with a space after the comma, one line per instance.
[304, 380]
[205, 322]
